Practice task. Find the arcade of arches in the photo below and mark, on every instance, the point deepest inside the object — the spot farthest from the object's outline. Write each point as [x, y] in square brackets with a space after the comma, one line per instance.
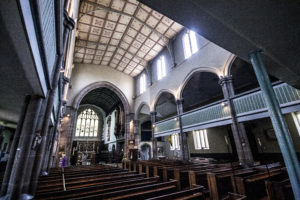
[92, 83]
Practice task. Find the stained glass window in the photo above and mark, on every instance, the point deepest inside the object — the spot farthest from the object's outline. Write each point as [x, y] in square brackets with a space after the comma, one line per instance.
[87, 124]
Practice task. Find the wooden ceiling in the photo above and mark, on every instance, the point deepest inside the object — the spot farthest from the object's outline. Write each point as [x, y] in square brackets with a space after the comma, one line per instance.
[121, 34]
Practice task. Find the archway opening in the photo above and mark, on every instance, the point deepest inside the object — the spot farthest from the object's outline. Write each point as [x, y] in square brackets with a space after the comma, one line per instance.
[165, 106]
[201, 89]
[244, 78]
[105, 141]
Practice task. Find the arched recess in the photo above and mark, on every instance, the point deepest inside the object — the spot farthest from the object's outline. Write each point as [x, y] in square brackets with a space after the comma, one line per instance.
[191, 73]
[107, 86]
[142, 109]
[243, 76]
[165, 106]
[200, 89]
[102, 84]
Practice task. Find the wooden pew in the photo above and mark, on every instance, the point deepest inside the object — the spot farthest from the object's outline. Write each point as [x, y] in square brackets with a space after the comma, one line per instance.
[253, 186]
[279, 189]
[88, 182]
[99, 188]
[190, 194]
[142, 192]
[221, 183]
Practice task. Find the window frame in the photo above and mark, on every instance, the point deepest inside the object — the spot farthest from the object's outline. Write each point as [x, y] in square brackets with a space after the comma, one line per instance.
[161, 67]
[87, 124]
[143, 83]
[175, 142]
[201, 139]
[190, 45]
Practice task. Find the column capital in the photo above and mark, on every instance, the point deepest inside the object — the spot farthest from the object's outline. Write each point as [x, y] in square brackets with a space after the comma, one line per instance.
[153, 113]
[136, 122]
[179, 101]
[69, 23]
[225, 79]
[65, 79]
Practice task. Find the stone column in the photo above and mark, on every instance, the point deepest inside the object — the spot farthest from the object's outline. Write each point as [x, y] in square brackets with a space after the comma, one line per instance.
[154, 140]
[128, 133]
[136, 132]
[183, 137]
[69, 25]
[71, 131]
[14, 146]
[25, 144]
[238, 130]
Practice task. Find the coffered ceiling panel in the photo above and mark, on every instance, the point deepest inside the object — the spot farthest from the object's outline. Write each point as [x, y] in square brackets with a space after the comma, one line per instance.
[122, 34]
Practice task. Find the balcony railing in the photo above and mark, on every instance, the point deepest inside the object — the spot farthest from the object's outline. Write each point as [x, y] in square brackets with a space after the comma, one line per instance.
[249, 102]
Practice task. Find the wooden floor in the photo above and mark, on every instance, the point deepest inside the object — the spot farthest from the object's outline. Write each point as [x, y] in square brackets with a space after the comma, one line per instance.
[166, 179]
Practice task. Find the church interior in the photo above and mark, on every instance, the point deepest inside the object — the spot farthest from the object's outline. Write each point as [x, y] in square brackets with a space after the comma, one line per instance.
[150, 99]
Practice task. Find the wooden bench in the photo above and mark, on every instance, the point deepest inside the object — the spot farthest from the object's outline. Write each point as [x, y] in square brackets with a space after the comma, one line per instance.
[221, 183]
[190, 194]
[279, 189]
[99, 188]
[142, 192]
[253, 186]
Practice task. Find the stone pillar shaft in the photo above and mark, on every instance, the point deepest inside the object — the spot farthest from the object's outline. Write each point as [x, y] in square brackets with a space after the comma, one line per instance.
[14, 146]
[154, 140]
[24, 147]
[238, 130]
[183, 137]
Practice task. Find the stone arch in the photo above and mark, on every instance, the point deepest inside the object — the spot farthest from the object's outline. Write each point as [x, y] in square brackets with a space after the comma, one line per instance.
[154, 101]
[191, 74]
[136, 114]
[228, 64]
[85, 91]
[169, 109]
[102, 84]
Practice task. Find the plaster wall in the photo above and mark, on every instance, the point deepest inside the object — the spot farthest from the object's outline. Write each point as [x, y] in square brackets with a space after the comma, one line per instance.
[270, 145]
[86, 74]
[216, 140]
[210, 57]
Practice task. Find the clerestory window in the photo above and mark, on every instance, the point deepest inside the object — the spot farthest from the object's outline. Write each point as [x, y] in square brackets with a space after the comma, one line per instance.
[189, 44]
[161, 68]
[142, 83]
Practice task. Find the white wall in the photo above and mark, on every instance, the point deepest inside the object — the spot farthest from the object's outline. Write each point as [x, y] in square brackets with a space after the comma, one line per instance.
[86, 74]
[209, 58]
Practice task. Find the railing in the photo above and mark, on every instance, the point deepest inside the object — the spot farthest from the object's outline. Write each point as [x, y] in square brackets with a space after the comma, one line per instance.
[207, 114]
[169, 125]
[255, 101]
[250, 102]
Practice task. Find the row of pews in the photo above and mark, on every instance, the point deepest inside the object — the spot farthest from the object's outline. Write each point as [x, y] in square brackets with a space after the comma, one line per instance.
[221, 180]
[108, 182]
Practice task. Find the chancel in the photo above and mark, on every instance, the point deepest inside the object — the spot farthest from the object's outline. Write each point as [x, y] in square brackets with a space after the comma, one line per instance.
[149, 99]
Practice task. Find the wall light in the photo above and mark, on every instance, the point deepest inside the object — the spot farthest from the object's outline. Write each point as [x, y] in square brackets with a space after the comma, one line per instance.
[224, 104]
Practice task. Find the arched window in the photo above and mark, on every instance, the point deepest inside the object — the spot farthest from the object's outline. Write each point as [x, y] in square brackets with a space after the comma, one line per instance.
[87, 124]
[142, 83]
[161, 68]
[189, 44]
